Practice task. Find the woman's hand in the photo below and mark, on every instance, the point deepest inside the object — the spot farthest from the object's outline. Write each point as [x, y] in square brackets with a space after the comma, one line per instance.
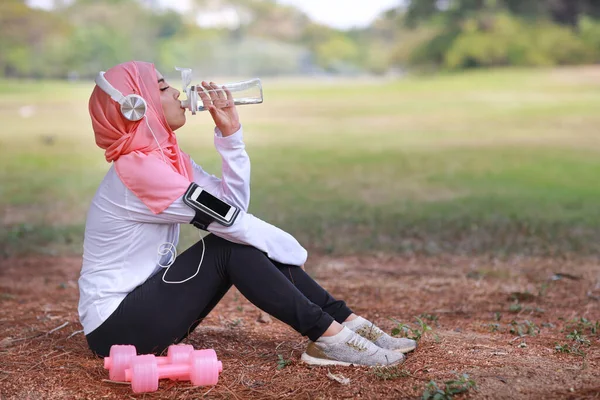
[219, 102]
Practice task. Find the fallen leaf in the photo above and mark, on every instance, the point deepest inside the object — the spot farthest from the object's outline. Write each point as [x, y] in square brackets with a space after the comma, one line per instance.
[264, 318]
[338, 378]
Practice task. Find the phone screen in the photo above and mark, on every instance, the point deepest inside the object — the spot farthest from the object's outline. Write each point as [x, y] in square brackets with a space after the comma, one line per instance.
[213, 203]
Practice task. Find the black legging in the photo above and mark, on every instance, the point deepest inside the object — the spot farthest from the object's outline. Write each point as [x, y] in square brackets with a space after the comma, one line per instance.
[155, 314]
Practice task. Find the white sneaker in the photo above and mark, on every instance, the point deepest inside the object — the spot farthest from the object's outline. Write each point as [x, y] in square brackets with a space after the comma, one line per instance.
[348, 348]
[369, 330]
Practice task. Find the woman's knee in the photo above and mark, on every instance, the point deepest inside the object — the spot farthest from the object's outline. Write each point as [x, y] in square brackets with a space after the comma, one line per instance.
[245, 258]
[232, 255]
[249, 253]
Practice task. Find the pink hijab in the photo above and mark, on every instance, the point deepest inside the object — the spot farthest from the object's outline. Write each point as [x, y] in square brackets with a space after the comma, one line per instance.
[131, 146]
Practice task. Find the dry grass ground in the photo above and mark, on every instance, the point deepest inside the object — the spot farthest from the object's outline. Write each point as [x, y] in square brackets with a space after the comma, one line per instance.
[469, 303]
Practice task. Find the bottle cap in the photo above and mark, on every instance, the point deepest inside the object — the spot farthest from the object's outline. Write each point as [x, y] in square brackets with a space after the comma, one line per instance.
[186, 79]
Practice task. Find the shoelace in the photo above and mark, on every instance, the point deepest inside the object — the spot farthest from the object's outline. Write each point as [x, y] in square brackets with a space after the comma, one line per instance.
[375, 328]
[359, 342]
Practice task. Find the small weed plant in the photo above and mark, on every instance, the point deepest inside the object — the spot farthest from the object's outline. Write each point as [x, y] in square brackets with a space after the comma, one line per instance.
[579, 342]
[562, 348]
[416, 333]
[433, 318]
[282, 362]
[235, 322]
[544, 288]
[578, 338]
[515, 307]
[449, 389]
[524, 328]
[584, 326]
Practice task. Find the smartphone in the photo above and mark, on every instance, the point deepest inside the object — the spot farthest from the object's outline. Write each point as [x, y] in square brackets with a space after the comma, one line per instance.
[201, 200]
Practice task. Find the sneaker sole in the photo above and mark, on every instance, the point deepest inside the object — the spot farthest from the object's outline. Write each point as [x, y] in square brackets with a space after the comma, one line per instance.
[405, 350]
[324, 362]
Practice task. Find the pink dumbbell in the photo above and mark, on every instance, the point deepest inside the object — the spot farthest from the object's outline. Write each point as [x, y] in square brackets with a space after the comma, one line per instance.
[202, 369]
[122, 356]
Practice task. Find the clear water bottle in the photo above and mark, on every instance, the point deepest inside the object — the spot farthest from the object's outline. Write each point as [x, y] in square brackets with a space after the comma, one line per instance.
[245, 92]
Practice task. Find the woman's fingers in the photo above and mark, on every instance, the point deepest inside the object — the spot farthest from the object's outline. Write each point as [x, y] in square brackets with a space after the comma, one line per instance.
[216, 92]
[213, 94]
[228, 93]
[206, 100]
[215, 97]
[223, 103]
[210, 91]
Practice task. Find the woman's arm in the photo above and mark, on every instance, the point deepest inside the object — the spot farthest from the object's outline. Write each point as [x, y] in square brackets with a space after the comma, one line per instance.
[234, 186]
[277, 244]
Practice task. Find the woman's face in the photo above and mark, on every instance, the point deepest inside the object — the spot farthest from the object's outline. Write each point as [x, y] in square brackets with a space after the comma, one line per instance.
[174, 113]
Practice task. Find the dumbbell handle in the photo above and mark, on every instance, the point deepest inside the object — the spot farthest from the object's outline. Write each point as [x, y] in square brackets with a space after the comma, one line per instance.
[171, 371]
[159, 361]
[166, 371]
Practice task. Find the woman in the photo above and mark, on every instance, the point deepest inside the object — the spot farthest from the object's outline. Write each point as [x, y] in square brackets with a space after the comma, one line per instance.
[125, 295]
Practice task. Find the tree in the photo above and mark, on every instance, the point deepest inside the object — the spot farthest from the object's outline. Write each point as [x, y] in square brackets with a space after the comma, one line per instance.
[566, 12]
[24, 33]
[478, 33]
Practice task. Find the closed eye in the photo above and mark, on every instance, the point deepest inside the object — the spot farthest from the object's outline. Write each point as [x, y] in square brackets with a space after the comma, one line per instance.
[165, 88]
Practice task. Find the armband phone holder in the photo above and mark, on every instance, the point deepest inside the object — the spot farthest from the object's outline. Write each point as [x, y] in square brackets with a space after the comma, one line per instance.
[208, 208]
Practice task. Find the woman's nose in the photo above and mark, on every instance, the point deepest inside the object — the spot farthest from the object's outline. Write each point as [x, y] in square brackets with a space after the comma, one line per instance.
[177, 93]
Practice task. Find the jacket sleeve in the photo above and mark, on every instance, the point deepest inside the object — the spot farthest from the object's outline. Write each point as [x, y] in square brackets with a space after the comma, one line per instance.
[234, 185]
[274, 242]
[247, 229]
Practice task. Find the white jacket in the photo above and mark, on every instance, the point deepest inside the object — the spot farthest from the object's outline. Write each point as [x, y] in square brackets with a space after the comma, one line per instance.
[122, 236]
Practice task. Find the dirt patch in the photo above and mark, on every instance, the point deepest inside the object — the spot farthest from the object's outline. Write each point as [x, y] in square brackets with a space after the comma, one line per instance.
[497, 321]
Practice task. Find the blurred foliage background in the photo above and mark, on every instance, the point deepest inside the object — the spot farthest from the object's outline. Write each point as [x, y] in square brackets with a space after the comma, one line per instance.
[445, 126]
[261, 37]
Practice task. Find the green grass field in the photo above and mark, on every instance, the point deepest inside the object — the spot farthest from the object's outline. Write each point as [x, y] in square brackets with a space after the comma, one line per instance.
[500, 162]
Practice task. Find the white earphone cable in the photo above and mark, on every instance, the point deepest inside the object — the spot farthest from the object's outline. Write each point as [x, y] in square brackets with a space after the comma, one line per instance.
[168, 247]
[155, 139]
